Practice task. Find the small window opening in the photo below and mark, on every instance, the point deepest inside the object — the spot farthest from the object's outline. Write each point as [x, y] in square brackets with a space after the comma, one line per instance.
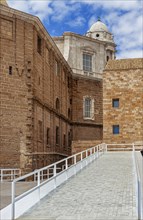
[68, 82]
[10, 70]
[48, 136]
[116, 129]
[64, 141]
[69, 139]
[97, 35]
[69, 113]
[115, 103]
[40, 129]
[107, 58]
[39, 45]
[57, 104]
[57, 135]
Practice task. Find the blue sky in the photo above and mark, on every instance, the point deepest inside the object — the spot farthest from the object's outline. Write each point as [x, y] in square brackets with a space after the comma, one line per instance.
[123, 17]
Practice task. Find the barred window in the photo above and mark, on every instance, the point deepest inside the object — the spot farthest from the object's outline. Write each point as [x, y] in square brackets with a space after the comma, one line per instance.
[88, 108]
[87, 62]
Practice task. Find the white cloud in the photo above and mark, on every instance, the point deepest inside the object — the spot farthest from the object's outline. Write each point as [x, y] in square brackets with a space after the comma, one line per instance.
[130, 54]
[113, 4]
[63, 9]
[40, 8]
[123, 18]
[77, 22]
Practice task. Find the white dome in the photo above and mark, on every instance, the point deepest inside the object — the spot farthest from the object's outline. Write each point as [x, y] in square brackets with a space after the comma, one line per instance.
[98, 26]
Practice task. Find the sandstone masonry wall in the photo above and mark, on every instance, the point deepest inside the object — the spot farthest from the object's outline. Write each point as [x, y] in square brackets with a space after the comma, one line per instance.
[123, 80]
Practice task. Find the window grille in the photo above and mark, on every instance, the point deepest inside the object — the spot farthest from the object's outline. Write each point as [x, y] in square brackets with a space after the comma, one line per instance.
[88, 108]
[87, 62]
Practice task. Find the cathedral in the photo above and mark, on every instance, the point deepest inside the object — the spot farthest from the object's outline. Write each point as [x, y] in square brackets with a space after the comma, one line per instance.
[63, 94]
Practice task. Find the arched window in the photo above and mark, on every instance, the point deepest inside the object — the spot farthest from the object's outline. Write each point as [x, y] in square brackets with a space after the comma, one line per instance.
[88, 108]
[107, 58]
[57, 104]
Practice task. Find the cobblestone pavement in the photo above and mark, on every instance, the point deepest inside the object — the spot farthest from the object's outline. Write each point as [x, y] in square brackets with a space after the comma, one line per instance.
[104, 190]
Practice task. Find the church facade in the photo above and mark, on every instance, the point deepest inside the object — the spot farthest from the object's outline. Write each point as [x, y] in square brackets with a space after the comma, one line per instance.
[87, 56]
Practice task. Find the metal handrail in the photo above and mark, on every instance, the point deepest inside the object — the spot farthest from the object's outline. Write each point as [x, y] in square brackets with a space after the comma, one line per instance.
[38, 174]
[9, 174]
[139, 185]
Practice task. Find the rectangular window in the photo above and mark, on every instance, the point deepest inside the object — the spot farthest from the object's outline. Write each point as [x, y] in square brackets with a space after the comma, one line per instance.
[115, 103]
[39, 45]
[57, 68]
[48, 136]
[40, 130]
[69, 139]
[57, 135]
[87, 108]
[64, 140]
[116, 129]
[87, 62]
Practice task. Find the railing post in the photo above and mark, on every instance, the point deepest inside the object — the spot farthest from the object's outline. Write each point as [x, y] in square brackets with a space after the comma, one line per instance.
[81, 156]
[1, 175]
[55, 172]
[81, 160]
[66, 164]
[106, 148]
[133, 146]
[94, 149]
[86, 153]
[74, 164]
[74, 159]
[13, 199]
[139, 200]
[38, 178]
[38, 183]
[97, 151]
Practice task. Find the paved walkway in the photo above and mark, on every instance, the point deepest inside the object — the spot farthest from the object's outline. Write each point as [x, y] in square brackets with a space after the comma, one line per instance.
[104, 190]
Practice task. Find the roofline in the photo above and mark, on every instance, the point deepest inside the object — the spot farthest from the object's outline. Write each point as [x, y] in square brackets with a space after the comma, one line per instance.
[38, 24]
[83, 37]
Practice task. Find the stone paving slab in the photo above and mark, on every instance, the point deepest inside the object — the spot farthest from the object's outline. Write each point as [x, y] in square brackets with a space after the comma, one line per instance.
[103, 190]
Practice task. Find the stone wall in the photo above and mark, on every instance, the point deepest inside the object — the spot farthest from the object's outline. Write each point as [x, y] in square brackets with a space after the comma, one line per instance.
[86, 129]
[123, 80]
[29, 89]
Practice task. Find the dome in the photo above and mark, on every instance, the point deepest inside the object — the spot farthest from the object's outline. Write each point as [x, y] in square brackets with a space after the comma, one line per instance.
[98, 26]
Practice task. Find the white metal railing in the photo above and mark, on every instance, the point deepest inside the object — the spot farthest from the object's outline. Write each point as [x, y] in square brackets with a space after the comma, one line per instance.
[139, 185]
[9, 174]
[139, 177]
[48, 178]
